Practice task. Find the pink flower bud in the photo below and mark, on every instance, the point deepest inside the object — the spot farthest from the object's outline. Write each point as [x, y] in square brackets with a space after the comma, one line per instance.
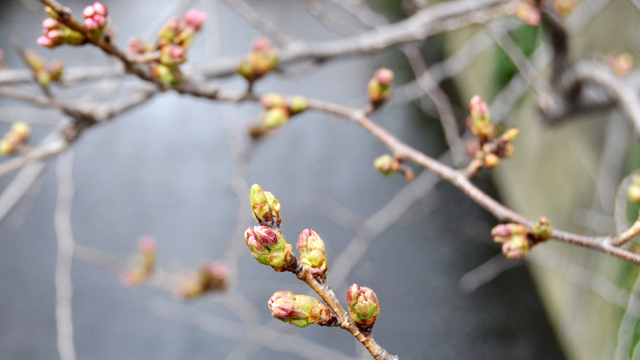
[261, 44]
[501, 233]
[219, 271]
[147, 244]
[50, 23]
[299, 310]
[312, 253]
[89, 11]
[478, 109]
[46, 42]
[364, 306]
[90, 24]
[384, 76]
[194, 19]
[100, 20]
[100, 9]
[516, 248]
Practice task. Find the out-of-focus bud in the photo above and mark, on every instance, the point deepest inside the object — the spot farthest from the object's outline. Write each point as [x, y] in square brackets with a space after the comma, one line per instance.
[510, 134]
[269, 247]
[137, 46]
[210, 278]
[408, 173]
[262, 59]
[312, 254]
[379, 88]
[300, 310]
[171, 76]
[516, 248]
[21, 131]
[633, 193]
[275, 118]
[265, 207]
[34, 60]
[56, 70]
[541, 230]
[194, 19]
[508, 150]
[491, 160]
[298, 105]
[564, 7]
[169, 32]
[479, 109]
[528, 14]
[363, 306]
[504, 232]
[172, 55]
[146, 266]
[622, 64]
[271, 100]
[387, 164]
[472, 146]
[6, 147]
[55, 34]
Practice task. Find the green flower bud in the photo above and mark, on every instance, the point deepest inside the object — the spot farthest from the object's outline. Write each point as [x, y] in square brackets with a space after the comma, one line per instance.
[246, 70]
[510, 134]
[298, 104]
[269, 247]
[275, 118]
[516, 248]
[265, 207]
[542, 229]
[479, 110]
[300, 310]
[363, 306]
[504, 232]
[387, 165]
[312, 254]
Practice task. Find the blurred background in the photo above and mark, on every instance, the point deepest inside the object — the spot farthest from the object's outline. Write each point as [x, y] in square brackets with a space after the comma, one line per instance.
[179, 169]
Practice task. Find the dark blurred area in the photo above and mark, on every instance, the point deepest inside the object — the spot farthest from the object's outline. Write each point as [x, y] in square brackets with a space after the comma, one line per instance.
[165, 169]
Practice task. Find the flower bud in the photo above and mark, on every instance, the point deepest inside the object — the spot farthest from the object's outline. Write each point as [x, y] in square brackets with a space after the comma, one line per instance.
[271, 100]
[564, 7]
[21, 131]
[408, 173]
[312, 254]
[269, 247]
[504, 232]
[171, 76]
[387, 165]
[298, 104]
[262, 59]
[95, 19]
[479, 110]
[516, 248]
[622, 64]
[633, 193]
[528, 14]
[363, 306]
[491, 160]
[542, 229]
[507, 151]
[265, 207]
[194, 19]
[169, 32]
[299, 310]
[510, 134]
[208, 279]
[172, 55]
[379, 88]
[275, 118]
[6, 147]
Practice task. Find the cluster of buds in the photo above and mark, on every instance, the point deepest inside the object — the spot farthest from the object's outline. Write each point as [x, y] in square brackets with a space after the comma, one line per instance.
[95, 20]
[312, 253]
[300, 310]
[146, 264]
[55, 33]
[620, 63]
[517, 239]
[364, 307]
[269, 247]
[210, 278]
[174, 40]
[633, 192]
[15, 139]
[277, 113]
[389, 165]
[485, 145]
[262, 59]
[379, 87]
[564, 7]
[43, 74]
[528, 13]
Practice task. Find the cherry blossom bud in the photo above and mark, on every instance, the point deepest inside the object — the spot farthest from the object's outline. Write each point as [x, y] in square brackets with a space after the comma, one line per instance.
[479, 109]
[171, 76]
[387, 164]
[21, 131]
[262, 59]
[622, 64]
[363, 306]
[312, 254]
[272, 100]
[275, 118]
[516, 248]
[300, 310]
[169, 32]
[510, 134]
[56, 70]
[194, 19]
[100, 9]
[95, 19]
[541, 230]
[173, 55]
[269, 247]
[379, 88]
[504, 232]
[408, 173]
[491, 160]
[528, 14]
[633, 193]
[298, 104]
[265, 207]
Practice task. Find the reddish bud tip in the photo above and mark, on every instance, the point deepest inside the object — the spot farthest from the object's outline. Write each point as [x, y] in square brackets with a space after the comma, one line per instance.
[100, 9]
[194, 19]
[384, 76]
